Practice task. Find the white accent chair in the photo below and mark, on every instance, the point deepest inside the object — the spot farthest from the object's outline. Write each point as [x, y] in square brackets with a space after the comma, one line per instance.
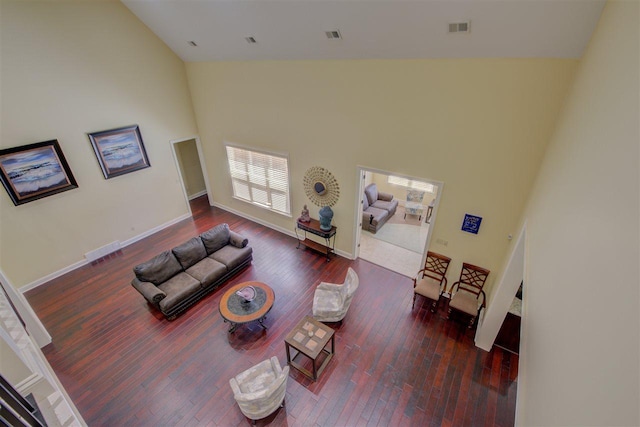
[260, 390]
[331, 301]
[413, 204]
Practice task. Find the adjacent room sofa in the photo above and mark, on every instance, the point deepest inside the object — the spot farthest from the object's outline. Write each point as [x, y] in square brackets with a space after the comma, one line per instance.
[378, 207]
[174, 280]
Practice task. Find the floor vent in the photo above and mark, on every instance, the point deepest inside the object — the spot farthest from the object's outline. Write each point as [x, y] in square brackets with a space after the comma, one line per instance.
[103, 251]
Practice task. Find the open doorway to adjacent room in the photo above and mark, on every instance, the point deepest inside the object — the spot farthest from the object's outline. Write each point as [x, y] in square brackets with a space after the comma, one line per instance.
[191, 168]
[400, 244]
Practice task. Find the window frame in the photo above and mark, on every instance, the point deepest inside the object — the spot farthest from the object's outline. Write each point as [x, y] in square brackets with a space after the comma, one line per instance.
[413, 184]
[269, 190]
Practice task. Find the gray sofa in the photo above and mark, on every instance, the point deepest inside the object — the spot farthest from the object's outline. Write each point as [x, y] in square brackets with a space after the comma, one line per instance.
[378, 207]
[174, 280]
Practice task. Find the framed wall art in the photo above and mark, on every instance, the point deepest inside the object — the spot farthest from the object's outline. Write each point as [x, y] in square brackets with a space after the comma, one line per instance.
[119, 151]
[471, 223]
[34, 171]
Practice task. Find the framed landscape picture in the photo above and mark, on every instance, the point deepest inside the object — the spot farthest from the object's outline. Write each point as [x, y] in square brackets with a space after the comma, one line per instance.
[34, 171]
[119, 151]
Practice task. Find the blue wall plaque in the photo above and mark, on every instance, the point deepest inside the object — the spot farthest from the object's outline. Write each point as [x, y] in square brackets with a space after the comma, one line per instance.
[471, 223]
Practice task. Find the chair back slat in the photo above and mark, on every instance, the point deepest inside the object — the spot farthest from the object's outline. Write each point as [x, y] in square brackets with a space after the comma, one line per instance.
[436, 265]
[472, 278]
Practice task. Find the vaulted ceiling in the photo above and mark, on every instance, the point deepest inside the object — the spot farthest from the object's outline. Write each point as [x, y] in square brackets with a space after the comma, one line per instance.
[369, 29]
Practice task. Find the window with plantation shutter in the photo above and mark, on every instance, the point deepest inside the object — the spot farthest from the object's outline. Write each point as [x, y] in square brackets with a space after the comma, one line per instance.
[260, 178]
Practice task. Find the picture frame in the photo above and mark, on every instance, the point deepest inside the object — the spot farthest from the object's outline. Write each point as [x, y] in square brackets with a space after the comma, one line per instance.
[119, 151]
[33, 171]
[471, 223]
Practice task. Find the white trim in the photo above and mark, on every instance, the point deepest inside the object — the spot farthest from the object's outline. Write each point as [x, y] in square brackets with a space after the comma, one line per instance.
[155, 230]
[226, 143]
[362, 170]
[198, 194]
[26, 385]
[291, 232]
[79, 264]
[276, 154]
[203, 168]
[33, 324]
[24, 347]
[502, 295]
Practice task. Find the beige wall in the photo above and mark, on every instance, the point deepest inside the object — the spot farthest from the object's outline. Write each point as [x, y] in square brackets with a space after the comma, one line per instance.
[478, 125]
[69, 68]
[579, 361]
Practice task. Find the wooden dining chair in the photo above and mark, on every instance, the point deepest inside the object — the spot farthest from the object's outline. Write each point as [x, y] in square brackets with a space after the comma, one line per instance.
[467, 296]
[430, 282]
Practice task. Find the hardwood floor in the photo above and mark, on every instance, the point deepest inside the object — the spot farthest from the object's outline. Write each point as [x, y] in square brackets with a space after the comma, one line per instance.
[123, 364]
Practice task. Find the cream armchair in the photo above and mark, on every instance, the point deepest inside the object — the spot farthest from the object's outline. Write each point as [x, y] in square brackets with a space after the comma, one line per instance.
[260, 390]
[331, 301]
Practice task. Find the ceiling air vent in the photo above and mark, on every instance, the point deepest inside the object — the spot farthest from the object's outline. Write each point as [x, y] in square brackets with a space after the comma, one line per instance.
[459, 27]
[251, 40]
[333, 35]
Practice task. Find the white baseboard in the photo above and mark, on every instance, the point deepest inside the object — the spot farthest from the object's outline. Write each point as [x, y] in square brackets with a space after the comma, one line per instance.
[291, 232]
[147, 233]
[155, 229]
[84, 262]
[198, 194]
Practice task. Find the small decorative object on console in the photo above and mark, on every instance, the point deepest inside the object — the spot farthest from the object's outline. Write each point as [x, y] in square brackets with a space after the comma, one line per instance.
[304, 215]
[326, 215]
[248, 293]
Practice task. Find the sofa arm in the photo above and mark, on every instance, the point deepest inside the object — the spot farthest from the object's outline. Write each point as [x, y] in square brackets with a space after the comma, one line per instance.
[149, 291]
[387, 197]
[237, 240]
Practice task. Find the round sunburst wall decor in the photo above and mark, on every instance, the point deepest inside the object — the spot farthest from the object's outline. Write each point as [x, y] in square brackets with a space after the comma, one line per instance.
[321, 186]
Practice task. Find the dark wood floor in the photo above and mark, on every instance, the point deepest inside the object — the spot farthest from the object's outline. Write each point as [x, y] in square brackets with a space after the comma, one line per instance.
[123, 364]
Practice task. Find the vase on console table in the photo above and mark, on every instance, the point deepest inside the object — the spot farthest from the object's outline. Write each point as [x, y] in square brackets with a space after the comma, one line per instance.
[326, 215]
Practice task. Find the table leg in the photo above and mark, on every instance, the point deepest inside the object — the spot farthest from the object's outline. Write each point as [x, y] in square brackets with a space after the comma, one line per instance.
[286, 346]
[315, 369]
[261, 320]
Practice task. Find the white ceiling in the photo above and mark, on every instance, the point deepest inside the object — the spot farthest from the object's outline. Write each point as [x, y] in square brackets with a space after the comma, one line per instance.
[295, 29]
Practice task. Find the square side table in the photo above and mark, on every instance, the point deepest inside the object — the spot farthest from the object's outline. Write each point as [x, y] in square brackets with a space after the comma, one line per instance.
[309, 338]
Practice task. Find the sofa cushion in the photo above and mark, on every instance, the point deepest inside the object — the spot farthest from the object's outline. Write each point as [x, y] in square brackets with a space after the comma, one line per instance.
[207, 271]
[428, 287]
[365, 203]
[178, 288]
[464, 301]
[190, 252]
[390, 206]
[371, 191]
[215, 238]
[158, 269]
[232, 256]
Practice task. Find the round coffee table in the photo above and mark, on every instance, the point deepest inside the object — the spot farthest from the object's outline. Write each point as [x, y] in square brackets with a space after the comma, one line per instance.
[236, 310]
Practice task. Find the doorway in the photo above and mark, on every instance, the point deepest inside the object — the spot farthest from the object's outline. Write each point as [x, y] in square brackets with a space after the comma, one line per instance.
[400, 244]
[191, 167]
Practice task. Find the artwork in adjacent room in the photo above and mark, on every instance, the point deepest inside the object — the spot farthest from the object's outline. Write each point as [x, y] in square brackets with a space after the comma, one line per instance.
[119, 151]
[34, 171]
[471, 223]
